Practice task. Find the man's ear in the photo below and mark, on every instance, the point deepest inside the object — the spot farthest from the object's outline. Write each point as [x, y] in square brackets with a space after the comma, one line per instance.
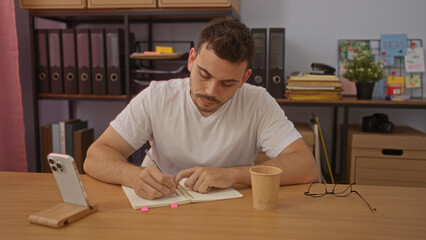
[246, 76]
[191, 58]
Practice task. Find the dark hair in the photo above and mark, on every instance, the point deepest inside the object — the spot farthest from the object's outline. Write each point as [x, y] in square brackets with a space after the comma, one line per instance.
[229, 39]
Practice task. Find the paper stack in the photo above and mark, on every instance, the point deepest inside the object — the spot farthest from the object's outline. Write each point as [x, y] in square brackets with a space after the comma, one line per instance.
[310, 86]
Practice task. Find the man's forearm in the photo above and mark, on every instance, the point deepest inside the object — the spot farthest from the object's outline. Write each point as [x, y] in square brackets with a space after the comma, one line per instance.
[107, 165]
[297, 163]
[297, 168]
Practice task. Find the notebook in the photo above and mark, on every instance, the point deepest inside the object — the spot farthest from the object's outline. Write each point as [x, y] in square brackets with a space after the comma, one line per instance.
[184, 197]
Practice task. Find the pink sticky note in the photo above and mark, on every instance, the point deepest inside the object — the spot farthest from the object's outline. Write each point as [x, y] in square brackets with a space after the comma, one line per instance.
[173, 205]
[144, 209]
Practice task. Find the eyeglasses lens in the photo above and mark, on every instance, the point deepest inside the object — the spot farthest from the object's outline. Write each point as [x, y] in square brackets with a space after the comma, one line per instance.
[342, 191]
[317, 190]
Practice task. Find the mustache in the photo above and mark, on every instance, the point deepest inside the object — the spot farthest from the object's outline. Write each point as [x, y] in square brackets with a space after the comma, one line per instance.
[212, 99]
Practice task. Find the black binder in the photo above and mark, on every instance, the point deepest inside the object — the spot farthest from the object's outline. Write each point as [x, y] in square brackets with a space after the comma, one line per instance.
[84, 68]
[42, 61]
[55, 61]
[275, 84]
[114, 43]
[70, 61]
[97, 40]
[258, 76]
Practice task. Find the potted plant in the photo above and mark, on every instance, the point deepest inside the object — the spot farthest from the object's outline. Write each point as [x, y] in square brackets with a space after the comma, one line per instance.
[364, 70]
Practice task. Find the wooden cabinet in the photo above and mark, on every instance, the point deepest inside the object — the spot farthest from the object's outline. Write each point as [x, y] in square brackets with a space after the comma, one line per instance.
[408, 171]
[124, 4]
[80, 4]
[52, 4]
[396, 159]
[235, 4]
[121, 3]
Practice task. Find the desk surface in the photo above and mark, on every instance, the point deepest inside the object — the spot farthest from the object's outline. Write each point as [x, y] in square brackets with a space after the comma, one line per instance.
[401, 214]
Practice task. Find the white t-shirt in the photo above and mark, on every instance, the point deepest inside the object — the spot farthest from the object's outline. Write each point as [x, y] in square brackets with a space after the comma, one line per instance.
[181, 138]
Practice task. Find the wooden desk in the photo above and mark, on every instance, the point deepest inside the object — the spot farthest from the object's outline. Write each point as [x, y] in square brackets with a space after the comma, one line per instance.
[347, 103]
[401, 214]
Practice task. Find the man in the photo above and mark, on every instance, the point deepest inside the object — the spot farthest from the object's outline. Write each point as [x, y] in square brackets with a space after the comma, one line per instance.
[207, 128]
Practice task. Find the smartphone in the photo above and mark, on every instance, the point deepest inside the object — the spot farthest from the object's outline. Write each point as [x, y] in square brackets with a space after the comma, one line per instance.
[67, 178]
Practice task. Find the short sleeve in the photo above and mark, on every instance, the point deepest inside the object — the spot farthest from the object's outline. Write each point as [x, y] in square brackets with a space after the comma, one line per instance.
[134, 122]
[275, 131]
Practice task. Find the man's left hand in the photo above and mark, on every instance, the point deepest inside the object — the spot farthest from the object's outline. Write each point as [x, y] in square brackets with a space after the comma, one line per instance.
[203, 179]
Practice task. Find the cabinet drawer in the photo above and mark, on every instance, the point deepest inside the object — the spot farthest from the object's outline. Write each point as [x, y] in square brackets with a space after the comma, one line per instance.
[52, 4]
[196, 3]
[122, 3]
[200, 3]
[390, 171]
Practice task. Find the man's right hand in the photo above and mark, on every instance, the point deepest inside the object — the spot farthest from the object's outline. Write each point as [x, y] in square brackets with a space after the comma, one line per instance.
[151, 183]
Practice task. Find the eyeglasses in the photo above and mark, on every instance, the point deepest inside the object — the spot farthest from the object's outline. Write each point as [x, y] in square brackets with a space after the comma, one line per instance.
[320, 189]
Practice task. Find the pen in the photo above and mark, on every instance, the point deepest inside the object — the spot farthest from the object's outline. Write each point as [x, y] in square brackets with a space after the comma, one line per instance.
[158, 166]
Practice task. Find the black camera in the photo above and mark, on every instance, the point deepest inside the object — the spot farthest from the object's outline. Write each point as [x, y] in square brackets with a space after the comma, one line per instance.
[377, 122]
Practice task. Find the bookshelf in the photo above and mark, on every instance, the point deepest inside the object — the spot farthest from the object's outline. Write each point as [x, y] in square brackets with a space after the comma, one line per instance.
[122, 18]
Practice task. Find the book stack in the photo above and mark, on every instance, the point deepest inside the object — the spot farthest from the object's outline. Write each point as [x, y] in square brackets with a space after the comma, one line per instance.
[313, 87]
[72, 137]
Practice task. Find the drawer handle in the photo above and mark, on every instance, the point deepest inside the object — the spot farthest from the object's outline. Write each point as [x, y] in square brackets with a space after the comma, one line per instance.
[394, 152]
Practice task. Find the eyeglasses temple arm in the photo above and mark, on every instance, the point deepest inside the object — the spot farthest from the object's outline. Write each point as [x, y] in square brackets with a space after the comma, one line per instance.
[371, 208]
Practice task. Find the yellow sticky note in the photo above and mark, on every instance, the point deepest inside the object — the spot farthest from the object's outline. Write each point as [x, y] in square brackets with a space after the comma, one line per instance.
[412, 81]
[164, 49]
[396, 80]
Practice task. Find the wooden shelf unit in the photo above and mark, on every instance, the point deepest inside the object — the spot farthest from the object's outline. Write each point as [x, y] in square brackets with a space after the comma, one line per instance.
[81, 97]
[124, 18]
[346, 104]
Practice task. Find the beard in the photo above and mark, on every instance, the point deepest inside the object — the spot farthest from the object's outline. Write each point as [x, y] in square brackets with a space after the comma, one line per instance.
[206, 103]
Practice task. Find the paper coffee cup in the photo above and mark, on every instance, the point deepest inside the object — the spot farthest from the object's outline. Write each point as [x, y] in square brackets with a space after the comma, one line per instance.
[265, 182]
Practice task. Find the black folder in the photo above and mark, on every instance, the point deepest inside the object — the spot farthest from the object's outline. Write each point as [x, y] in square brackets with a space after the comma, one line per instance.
[258, 76]
[55, 61]
[84, 68]
[97, 40]
[275, 83]
[114, 43]
[70, 61]
[42, 62]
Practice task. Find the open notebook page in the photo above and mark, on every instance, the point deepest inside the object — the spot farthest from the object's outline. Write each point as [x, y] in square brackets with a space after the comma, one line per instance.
[138, 202]
[215, 194]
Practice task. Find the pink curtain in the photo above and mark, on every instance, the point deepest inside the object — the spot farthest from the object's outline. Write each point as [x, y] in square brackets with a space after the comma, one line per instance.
[12, 129]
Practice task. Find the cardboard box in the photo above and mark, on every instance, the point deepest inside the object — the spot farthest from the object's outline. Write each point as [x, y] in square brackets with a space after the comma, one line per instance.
[304, 130]
[53, 4]
[235, 4]
[395, 159]
[121, 4]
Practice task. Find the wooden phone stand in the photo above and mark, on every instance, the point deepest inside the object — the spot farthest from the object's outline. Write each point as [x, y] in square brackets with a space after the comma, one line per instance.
[61, 214]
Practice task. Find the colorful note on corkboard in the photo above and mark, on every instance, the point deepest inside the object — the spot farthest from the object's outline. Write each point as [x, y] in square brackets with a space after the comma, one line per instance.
[412, 81]
[414, 60]
[393, 44]
[396, 80]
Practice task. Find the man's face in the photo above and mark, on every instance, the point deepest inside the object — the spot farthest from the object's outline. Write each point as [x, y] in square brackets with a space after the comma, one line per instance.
[213, 81]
